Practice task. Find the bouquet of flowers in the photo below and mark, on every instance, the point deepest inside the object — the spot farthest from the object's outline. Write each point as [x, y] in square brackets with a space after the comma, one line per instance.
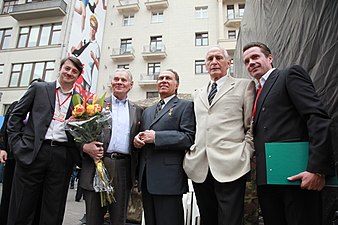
[86, 124]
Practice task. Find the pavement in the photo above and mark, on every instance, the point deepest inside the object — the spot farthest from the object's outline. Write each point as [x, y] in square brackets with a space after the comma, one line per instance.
[74, 210]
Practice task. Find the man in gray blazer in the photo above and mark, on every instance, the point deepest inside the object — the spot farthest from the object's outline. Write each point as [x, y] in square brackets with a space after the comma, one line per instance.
[219, 160]
[116, 151]
[168, 130]
[43, 151]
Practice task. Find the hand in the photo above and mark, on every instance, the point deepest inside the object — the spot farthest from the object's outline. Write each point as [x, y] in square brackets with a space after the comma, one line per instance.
[149, 136]
[309, 181]
[138, 140]
[94, 149]
[3, 156]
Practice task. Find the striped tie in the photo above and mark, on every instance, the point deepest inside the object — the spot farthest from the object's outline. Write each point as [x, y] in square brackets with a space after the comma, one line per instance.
[159, 107]
[212, 92]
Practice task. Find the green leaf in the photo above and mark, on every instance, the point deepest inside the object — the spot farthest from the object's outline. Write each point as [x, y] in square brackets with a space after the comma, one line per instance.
[77, 99]
[101, 100]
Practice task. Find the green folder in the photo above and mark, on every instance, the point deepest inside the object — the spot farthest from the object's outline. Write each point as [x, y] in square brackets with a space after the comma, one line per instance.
[285, 159]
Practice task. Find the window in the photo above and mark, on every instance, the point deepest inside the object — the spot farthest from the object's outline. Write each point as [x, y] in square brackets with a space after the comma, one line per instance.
[156, 44]
[200, 67]
[154, 69]
[8, 6]
[232, 34]
[125, 46]
[201, 39]
[128, 20]
[123, 66]
[201, 12]
[157, 17]
[152, 94]
[2, 69]
[5, 38]
[231, 12]
[23, 73]
[41, 35]
[241, 9]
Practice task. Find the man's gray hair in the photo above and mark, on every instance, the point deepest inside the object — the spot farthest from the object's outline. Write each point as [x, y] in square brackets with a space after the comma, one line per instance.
[130, 76]
[225, 53]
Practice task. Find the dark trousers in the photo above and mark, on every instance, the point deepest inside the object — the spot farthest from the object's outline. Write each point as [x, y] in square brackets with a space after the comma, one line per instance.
[220, 203]
[161, 209]
[8, 174]
[120, 170]
[289, 205]
[45, 180]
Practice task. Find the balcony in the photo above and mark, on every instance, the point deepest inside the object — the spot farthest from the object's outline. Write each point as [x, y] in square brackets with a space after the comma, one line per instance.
[154, 52]
[156, 4]
[148, 79]
[39, 9]
[128, 6]
[122, 54]
[233, 22]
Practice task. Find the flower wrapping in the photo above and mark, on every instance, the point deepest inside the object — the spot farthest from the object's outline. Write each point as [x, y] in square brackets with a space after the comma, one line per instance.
[87, 123]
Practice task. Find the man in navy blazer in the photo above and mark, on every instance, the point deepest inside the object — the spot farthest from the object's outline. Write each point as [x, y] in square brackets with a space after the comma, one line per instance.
[43, 151]
[288, 110]
[168, 130]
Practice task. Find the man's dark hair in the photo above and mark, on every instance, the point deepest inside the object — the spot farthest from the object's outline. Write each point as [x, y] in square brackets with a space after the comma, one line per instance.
[77, 63]
[264, 48]
[177, 78]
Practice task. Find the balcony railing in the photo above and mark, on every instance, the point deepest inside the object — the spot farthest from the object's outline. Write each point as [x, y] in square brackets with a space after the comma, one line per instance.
[156, 4]
[154, 51]
[128, 6]
[233, 21]
[122, 54]
[39, 9]
[148, 79]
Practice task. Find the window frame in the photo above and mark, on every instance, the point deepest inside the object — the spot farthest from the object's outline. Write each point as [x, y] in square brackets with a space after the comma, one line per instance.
[54, 32]
[20, 72]
[5, 37]
[157, 17]
[201, 39]
[200, 67]
[128, 20]
[232, 34]
[126, 46]
[201, 12]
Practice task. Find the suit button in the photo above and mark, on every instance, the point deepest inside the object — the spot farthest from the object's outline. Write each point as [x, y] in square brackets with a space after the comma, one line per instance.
[263, 109]
[265, 128]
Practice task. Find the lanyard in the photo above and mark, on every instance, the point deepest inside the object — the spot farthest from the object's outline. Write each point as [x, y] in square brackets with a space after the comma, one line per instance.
[58, 97]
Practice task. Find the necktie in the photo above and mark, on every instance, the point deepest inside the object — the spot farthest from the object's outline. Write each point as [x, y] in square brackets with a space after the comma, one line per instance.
[259, 90]
[159, 107]
[212, 92]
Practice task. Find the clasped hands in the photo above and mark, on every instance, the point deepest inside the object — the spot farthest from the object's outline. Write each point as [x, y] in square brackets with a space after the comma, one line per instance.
[144, 137]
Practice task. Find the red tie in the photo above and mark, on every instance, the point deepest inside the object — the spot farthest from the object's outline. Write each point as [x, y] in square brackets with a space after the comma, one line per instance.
[255, 104]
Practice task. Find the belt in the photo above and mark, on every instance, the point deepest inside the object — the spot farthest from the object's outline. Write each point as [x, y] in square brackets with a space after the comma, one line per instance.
[55, 143]
[116, 155]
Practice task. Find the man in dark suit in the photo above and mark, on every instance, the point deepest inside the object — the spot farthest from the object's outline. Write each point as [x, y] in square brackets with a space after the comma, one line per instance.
[117, 152]
[288, 110]
[168, 130]
[43, 151]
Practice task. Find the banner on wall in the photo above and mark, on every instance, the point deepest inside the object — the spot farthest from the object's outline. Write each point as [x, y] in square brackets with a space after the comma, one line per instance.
[86, 40]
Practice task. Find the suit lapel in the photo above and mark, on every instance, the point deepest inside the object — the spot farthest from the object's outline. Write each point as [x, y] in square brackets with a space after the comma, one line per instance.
[228, 84]
[203, 95]
[266, 89]
[132, 113]
[171, 104]
[51, 93]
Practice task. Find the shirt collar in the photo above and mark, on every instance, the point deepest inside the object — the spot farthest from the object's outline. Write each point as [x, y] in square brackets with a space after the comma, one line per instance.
[58, 87]
[117, 101]
[167, 99]
[219, 82]
[265, 77]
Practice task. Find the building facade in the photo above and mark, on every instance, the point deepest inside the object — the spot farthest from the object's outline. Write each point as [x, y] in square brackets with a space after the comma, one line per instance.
[144, 36]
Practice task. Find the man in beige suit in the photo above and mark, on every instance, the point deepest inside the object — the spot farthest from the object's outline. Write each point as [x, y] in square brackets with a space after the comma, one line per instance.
[219, 161]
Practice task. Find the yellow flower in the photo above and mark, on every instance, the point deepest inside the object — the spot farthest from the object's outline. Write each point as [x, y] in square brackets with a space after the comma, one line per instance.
[90, 110]
[78, 110]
